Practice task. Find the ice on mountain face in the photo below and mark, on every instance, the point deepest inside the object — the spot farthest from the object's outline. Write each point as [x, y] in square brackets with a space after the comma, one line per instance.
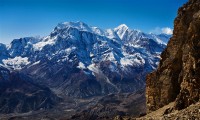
[46, 41]
[78, 25]
[121, 27]
[98, 31]
[16, 63]
[81, 66]
[70, 49]
[22, 46]
[81, 26]
[35, 63]
[121, 30]
[108, 57]
[126, 62]
[91, 55]
[24, 41]
[93, 68]
[111, 34]
[132, 60]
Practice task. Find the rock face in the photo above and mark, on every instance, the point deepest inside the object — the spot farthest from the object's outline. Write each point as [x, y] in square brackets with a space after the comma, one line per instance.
[178, 75]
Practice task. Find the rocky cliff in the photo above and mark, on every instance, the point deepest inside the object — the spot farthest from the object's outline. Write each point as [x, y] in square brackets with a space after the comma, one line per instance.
[178, 75]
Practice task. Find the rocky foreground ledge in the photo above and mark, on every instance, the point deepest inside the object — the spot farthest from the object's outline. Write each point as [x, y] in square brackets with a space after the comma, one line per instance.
[190, 113]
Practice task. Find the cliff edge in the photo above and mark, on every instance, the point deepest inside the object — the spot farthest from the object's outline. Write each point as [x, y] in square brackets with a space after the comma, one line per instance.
[178, 75]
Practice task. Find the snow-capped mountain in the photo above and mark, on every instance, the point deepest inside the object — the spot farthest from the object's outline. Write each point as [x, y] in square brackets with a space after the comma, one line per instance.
[83, 61]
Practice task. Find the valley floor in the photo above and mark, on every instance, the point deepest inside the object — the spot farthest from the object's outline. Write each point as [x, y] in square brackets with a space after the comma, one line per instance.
[96, 108]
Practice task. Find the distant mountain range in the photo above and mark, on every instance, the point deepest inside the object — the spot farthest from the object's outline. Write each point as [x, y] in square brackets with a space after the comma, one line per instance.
[80, 61]
[83, 61]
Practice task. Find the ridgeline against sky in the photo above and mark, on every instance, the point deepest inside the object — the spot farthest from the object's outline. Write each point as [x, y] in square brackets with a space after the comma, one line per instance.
[20, 18]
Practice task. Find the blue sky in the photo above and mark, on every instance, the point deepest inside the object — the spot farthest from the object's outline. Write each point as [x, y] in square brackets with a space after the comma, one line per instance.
[21, 18]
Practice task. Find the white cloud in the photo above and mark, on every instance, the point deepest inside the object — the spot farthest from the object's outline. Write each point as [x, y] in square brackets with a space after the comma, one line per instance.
[157, 30]
[165, 30]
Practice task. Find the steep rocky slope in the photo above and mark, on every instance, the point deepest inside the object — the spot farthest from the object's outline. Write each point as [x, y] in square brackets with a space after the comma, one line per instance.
[178, 75]
[19, 94]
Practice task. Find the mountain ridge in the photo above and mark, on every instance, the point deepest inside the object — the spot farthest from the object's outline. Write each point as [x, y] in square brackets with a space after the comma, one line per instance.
[86, 66]
[72, 44]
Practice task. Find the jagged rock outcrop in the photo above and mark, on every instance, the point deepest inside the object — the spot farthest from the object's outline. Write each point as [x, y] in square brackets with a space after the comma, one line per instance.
[178, 75]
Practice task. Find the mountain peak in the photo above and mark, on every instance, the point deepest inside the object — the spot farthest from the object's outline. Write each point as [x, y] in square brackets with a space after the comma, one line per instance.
[78, 25]
[121, 27]
[81, 26]
[121, 30]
